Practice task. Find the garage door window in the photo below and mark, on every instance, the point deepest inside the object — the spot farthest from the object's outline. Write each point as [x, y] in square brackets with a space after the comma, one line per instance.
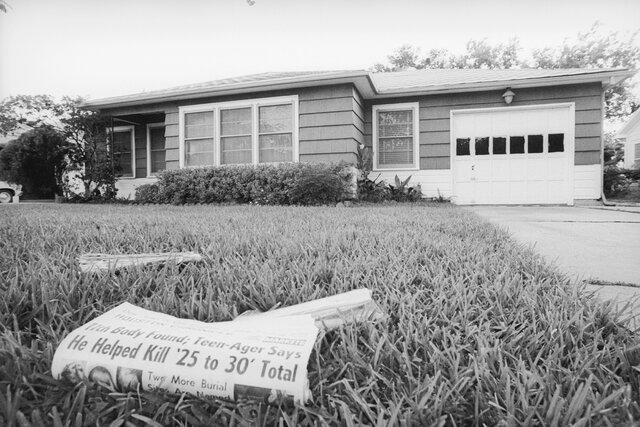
[534, 144]
[516, 145]
[462, 147]
[396, 136]
[556, 142]
[482, 146]
[499, 145]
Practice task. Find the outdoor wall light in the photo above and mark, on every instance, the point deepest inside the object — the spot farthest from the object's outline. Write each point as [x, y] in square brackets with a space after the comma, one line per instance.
[508, 96]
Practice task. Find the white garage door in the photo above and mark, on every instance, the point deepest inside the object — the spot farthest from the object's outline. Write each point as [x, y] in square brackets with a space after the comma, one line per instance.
[513, 155]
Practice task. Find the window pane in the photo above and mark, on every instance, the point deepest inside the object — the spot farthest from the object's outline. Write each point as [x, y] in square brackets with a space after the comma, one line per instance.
[198, 125]
[534, 144]
[199, 152]
[516, 145]
[275, 148]
[235, 122]
[156, 136]
[122, 152]
[158, 161]
[122, 141]
[499, 145]
[482, 146]
[462, 146]
[395, 151]
[276, 118]
[556, 142]
[235, 149]
[395, 123]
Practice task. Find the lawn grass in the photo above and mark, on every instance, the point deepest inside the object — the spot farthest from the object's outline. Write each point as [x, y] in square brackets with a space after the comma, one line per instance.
[480, 329]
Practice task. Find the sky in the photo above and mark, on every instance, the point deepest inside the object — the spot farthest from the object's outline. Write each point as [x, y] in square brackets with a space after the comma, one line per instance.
[98, 48]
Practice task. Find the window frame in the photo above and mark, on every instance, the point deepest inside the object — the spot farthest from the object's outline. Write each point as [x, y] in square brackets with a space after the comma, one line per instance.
[415, 108]
[149, 163]
[254, 104]
[113, 129]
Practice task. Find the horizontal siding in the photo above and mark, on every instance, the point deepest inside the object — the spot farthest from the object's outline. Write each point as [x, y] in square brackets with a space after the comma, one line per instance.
[331, 123]
[328, 157]
[435, 118]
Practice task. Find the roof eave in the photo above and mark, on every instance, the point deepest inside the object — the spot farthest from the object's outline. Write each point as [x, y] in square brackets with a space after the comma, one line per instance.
[609, 78]
[358, 78]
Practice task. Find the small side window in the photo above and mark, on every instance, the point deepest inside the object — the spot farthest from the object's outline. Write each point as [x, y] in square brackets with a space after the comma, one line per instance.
[516, 145]
[462, 147]
[482, 146]
[499, 145]
[556, 142]
[534, 144]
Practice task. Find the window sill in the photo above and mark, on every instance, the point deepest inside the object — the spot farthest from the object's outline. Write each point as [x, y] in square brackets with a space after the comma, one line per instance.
[396, 169]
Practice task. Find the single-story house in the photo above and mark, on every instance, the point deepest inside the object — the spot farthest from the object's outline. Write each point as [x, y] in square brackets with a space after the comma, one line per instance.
[630, 133]
[477, 136]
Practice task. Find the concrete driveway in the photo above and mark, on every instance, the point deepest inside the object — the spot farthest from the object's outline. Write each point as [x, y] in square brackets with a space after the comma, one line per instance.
[588, 243]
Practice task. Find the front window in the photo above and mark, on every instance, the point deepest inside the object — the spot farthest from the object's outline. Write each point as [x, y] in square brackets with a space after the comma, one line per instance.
[276, 134]
[396, 136]
[198, 138]
[122, 143]
[249, 132]
[157, 151]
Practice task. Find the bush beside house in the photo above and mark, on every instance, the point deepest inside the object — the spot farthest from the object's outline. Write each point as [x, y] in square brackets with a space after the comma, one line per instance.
[283, 184]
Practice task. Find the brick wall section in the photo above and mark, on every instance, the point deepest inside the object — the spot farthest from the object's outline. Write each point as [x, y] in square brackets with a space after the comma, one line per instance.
[435, 110]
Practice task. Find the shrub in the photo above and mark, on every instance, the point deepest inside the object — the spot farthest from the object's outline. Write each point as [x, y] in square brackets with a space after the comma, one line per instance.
[147, 193]
[372, 190]
[36, 160]
[283, 184]
[616, 182]
[317, 187]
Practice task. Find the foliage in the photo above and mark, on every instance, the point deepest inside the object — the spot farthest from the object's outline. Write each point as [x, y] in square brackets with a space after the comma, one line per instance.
[478, 54]
[613, 149]
[147, 193]
[480, 330]
[281, 184]
[87, 154]
[615, 181]
[23, 112]
[36, 160]
[590, 49]
[376, 190]
[89, 158]
[403, 192]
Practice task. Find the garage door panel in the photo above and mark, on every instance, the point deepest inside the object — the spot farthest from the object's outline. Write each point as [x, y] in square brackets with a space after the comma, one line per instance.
[537, 169]
[505, 178]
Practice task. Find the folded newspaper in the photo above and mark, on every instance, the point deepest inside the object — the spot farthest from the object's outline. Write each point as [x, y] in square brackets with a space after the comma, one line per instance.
[260, 357]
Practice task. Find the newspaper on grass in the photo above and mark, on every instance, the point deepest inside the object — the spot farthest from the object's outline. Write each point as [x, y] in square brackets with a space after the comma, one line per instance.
[129, 348]
[260, 356]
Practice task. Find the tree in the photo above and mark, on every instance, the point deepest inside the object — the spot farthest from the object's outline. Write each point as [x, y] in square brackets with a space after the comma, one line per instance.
[36, 160]
[590, 49]
[478, 54]
[87, 154]
[89, 157]
[30, 111]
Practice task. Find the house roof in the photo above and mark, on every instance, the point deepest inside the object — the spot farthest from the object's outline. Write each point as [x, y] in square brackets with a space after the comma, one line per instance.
[630, 125]
[373, 85]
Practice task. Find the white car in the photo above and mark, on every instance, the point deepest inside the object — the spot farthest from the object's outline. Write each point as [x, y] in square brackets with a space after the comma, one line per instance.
[7, 191]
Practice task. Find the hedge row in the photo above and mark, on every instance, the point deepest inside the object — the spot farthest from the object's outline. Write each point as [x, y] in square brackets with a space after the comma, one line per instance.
[282, 184]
